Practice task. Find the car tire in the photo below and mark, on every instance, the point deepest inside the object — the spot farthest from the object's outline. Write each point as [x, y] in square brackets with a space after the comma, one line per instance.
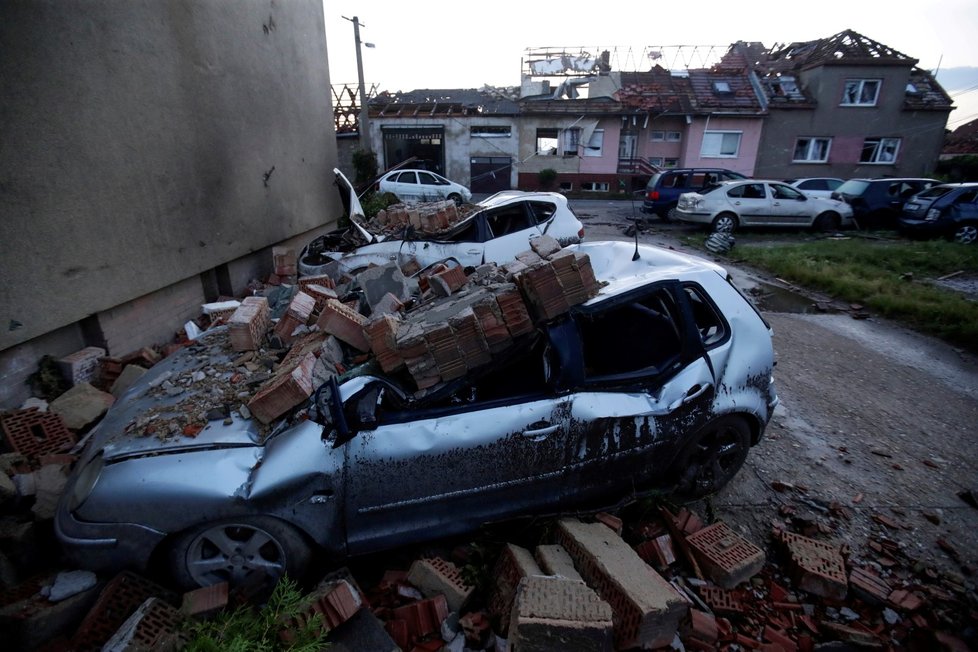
[725, 223]
[457, 198]
[965, 234]
[827, 221]
[712, 457]
[672, 215]
[254, 550]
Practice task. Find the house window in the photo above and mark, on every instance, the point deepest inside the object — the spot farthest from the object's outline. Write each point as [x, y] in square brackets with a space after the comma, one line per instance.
[656, 161]
[673, 136]
[670, 163]
[720, 144]
[594, 186]
[721, 87]
[490, 131]
[547, 142]
[658, 135]
[811, 150]
[566, 186]
[571, 139]
[861, 92]
[880, 150]
[595, 145]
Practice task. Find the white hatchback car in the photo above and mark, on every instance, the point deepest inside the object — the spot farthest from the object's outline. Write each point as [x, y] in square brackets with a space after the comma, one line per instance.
[499, 228]
[752, 202]
[816, 186]
[420, 185]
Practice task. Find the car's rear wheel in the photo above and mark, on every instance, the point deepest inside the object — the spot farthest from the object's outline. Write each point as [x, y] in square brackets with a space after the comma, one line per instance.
[712, 457]
[965, 233]
[827, 221]
[725, 223]
[254, 551]
[457, 198]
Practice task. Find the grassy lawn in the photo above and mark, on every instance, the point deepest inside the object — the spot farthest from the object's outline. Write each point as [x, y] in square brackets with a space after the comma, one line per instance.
[892, 277]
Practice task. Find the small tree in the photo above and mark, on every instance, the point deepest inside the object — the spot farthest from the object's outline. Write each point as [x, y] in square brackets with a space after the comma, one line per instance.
[546, 177]
[364, 166]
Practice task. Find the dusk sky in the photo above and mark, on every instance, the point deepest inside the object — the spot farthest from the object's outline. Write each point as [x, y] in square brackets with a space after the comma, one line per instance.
[460, 45]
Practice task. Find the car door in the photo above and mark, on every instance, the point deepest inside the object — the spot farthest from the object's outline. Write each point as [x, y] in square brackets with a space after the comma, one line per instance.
[751, 202]
[452, 469]
[789, 206]
[510, 228]
[406, 186]
[431, 187]
[647, 384]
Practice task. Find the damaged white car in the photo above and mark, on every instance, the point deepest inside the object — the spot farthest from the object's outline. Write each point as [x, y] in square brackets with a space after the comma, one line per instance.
[661, 380]
[494, 230]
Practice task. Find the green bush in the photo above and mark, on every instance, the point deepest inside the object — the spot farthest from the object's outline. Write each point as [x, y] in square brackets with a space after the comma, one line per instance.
[375, 201]
[364, 166]
[546, 177]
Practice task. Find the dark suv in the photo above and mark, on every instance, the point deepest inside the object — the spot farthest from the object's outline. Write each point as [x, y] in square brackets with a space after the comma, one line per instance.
[949, 210]
[663, 189]
[876, 203]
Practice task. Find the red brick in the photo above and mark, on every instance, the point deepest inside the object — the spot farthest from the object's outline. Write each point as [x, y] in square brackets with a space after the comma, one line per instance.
[555, 613]
[320, 294]
[118, 600]
[284, 391]
[514, 563]
[344, 323]
[337, 602]
[247, 326]
[447, 281]
[725, 556]
[81, 366]
[422, 618]
[470, 340]
[284, 261]
[543, 292]
[206, 600]
[780, 638]
[703, 627]
[443, 347]
[869, 586]
[905, 600]
[514, 311]
[817, 567]
[722, 601]
[381, 332]
[322, 280]
[297, 314]
[33, 433]
[610, 520]
[155, 625]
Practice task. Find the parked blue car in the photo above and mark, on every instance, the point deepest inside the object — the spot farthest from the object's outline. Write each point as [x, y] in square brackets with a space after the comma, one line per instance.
[949, 210]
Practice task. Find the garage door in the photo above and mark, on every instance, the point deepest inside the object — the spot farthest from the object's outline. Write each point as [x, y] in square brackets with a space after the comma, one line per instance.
[490, 174]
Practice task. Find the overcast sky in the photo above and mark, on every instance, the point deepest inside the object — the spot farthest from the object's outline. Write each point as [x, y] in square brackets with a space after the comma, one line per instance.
[456, 44]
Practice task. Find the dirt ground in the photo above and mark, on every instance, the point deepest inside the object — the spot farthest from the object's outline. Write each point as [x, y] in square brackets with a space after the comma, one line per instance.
[875, 435]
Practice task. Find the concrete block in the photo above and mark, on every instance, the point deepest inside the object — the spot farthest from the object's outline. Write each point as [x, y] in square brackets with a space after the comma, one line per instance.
[81, 366]
[647, 609]
[544, 245]
[69, 583]
[553, 613]
[725, 556]
[81, 405]
[554, 560]
[49, 484]
[385, 279]
[436, 576]
[130, 374]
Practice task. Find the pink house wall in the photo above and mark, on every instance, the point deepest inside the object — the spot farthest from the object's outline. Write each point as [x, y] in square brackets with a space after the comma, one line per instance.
[607, 163]
[746, 158]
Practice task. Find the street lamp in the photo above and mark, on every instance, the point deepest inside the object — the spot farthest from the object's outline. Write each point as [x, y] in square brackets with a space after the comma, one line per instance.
[364, 121]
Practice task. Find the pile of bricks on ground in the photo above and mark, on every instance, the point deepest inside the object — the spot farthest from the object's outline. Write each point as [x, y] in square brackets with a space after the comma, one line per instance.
[428, 218]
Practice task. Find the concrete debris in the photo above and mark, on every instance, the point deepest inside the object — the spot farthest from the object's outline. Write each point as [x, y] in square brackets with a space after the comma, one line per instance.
[69, 583]
[81, 405]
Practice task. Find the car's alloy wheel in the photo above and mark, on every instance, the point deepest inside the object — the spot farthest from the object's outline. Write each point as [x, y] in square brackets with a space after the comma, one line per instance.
[966, 234]
[712, 457]
[827, 221]
[725, 223]
[457, 198]
[251, 551]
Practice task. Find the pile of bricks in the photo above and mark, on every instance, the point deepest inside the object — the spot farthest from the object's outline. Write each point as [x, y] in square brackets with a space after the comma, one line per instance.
[429, 218]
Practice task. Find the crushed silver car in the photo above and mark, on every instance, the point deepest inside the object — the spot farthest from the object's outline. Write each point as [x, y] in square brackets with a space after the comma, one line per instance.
[492, 231]
[661, 380]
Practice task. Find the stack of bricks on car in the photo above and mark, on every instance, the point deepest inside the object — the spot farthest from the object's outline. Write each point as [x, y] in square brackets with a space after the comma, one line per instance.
[429, 218]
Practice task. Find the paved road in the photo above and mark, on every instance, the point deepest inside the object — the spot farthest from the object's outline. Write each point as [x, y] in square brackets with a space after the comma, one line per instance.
[875, 419]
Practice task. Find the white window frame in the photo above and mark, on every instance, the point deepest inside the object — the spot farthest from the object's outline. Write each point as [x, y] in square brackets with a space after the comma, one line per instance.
[657, 136]
[859, 87]
[721, 134]
[885, 151]
[594, 186]
[670, 163]
[657, 161]
[595, 146]
[475, 133]
[673, 136]
[811, 149]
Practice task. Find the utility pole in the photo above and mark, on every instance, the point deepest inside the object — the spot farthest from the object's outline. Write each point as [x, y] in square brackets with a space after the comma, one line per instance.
[363, 124]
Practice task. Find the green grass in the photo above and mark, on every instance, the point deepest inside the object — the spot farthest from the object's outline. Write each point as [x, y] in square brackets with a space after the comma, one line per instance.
[890, 277]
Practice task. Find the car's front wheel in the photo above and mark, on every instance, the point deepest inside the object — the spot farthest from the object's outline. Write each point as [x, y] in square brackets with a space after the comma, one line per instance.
[254, 551]
[827, 221]
[457, 198]
[965, 233]
[712, 457]
[725, 223]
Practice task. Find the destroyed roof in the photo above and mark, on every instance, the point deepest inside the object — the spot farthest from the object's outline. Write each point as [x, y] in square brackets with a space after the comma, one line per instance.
[845, 48]
[724, 88]
[924, 92]
[657, 90]
[443, 102]
[963, 140]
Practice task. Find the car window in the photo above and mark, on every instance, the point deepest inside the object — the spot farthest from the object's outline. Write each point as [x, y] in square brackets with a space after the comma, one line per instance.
[853, 187]
[814, 184]
[639, 336]
[428, 179]
[779, 191]
[967, 197]
[674, 181]
[833, 183]
[711, 326]
[935, 192]
[507, 219]
[407, 177]
[748, 191]
[731, 176]
[541, 211]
